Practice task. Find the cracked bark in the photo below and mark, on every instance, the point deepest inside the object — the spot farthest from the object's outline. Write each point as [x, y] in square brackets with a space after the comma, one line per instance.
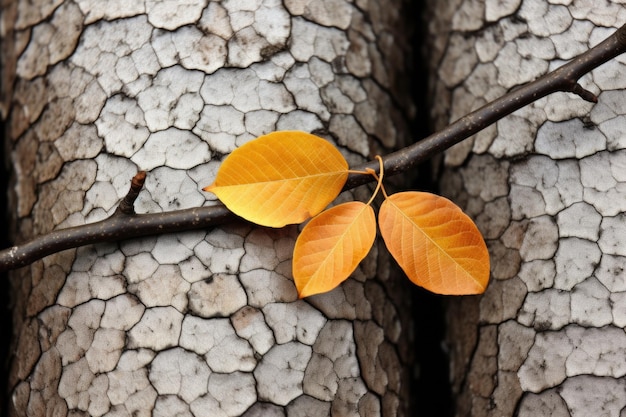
[546, 187]
[203, 322]
[520, 231]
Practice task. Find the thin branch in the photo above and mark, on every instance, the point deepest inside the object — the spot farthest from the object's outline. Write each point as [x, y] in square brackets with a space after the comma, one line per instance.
[125, 224]
[119, 226]
[127, 205]
[563, 79]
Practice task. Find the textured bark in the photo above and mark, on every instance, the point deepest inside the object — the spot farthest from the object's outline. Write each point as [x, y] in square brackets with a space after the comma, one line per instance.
[202, 323]
[546, 187]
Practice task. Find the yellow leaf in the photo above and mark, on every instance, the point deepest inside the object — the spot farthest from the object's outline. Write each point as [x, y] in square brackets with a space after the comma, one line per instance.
[331, 246]
[437, 245]
[281, 178]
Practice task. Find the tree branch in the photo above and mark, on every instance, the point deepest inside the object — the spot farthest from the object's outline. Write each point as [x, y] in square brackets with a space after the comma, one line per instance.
[563, 79]
[125, 224]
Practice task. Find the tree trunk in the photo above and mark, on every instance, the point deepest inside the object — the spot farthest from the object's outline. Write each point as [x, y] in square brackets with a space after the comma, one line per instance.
[208, 322]
[547, 187]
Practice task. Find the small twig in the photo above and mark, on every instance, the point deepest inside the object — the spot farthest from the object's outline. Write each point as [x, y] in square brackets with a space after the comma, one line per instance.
[117, 227]
[127, 204]
[125, 224]
[584, 94]
[122, 224]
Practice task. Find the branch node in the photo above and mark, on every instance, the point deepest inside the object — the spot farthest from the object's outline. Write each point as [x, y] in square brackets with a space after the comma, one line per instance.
[584, 94]
[126, 206]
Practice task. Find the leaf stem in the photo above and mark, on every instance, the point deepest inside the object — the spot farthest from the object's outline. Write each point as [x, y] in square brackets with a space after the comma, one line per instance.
[366, 171]
[379, 179]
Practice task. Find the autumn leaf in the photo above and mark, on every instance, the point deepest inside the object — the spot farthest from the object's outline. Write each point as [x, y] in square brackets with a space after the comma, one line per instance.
[436, 244]
[331, 246]
[281, 178]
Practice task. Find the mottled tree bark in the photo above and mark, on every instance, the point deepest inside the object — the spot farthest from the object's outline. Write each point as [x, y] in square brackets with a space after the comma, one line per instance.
[202, 323]
[547, 187]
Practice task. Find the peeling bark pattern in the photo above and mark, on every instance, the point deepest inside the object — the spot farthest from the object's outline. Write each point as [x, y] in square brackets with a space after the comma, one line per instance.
[205, 323]
[546, 186]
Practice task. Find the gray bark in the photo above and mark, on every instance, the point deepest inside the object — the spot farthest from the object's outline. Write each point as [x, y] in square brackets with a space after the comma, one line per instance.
[203, 323]
[546, 187]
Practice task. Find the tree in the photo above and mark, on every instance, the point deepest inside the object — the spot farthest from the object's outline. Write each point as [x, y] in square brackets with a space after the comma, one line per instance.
[95, 310]
[204, 322]
[546, 188]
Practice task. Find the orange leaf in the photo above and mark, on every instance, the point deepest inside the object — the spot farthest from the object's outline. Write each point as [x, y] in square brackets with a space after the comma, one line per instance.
[331, 246]
[437, 245]
[280, 178]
